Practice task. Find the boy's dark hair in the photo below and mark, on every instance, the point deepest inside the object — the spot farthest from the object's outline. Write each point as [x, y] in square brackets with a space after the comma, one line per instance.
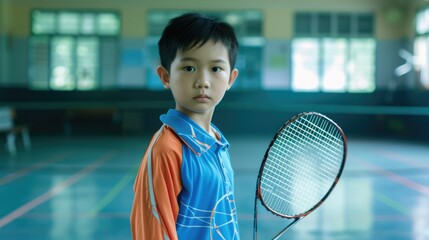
[191, 29]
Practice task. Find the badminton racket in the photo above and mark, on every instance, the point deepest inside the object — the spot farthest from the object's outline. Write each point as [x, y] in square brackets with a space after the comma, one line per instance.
[300, 168]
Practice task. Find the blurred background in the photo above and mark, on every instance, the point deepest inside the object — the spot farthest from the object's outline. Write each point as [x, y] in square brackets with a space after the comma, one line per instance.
[78, 80]
[70, 67]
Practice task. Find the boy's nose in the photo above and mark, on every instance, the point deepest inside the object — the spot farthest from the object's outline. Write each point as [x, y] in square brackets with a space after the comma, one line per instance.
[202, 81]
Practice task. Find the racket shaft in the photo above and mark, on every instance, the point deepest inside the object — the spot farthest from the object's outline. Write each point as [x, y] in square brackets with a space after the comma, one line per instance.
[255, 214]
[286, 228]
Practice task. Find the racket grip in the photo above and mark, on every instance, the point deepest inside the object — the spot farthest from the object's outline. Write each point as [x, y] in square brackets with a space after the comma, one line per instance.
[286, 228]
[255, 220]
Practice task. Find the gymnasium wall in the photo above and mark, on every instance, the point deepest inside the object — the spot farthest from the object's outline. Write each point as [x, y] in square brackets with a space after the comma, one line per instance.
[393, 22]
[4, 55]
[242, 111]
[393, 17]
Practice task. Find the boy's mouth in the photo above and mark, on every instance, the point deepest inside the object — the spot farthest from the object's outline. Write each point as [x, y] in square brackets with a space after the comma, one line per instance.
[202, 98]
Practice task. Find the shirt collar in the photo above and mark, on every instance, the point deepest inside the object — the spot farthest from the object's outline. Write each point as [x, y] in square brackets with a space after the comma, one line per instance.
[194, 136]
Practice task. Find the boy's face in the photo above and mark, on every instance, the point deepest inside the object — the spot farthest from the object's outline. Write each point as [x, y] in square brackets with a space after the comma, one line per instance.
[199, 77]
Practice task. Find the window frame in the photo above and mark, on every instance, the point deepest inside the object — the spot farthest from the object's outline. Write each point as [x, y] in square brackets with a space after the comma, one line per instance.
[101, 38]
[420, 44]
[337, 31]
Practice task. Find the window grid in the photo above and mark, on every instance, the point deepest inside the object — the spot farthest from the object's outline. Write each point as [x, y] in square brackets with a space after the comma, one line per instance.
[66, 49]
[421, 47]
[349, 70]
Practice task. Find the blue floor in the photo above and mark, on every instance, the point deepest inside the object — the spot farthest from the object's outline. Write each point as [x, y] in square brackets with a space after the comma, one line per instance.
[81, 188]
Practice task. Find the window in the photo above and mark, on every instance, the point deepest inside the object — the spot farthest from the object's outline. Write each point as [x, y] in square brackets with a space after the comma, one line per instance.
[248, 28]
[361, 70]
[72, 50]
[305, 65]
[421, 47]
[333, 53]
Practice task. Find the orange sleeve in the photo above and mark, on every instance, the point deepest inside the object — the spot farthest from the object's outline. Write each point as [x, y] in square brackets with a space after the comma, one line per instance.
[166, 179]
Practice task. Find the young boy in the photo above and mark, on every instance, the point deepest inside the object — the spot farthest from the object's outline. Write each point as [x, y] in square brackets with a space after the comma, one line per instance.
[184, 187]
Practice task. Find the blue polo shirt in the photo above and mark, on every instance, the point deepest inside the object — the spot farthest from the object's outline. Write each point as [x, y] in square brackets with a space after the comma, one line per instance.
[207, 208]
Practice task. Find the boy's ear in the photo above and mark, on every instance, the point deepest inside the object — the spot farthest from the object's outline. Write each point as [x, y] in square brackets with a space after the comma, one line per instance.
[232, 77]
[164, 76]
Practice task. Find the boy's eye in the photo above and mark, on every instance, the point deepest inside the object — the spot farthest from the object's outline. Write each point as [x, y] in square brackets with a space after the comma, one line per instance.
[189, 69]
[216, 69]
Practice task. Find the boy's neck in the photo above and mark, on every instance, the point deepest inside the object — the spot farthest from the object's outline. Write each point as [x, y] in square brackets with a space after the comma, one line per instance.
[203, 120]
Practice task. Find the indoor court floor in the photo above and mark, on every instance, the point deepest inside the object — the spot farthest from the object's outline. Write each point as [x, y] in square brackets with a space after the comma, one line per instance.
[81, 188]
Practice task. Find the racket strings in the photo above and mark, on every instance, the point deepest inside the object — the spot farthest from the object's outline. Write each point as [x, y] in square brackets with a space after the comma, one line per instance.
[329, 144]
[315, 142]
[301, 165]
[281, 171]
[286, 143]
[321, 148]
[300, 150]
[320, 138]
[283, 194]
[280, 186]
[330, 133]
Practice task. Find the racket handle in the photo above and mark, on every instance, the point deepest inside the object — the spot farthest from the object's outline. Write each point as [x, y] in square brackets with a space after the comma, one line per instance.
[255, 211]
[286, 228]
[255, 220]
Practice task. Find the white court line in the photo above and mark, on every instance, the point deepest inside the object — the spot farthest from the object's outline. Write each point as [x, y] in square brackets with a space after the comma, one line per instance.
[54, 190]
[24, 171]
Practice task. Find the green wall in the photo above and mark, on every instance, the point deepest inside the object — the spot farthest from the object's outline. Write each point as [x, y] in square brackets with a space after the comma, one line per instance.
[392, 17]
